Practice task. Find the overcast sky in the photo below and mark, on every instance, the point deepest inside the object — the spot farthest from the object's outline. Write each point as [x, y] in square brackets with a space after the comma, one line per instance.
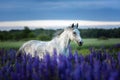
[100, 10]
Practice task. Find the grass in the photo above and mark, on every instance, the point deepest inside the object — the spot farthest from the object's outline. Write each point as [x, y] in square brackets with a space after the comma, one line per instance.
[11, 44]
[96, 43]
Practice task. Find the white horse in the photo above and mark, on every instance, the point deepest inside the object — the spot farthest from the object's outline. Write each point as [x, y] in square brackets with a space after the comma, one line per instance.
[60, 43]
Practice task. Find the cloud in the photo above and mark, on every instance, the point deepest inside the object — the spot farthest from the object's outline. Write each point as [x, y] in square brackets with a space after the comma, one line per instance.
[57, 9]
[89, 4]
[57, 24]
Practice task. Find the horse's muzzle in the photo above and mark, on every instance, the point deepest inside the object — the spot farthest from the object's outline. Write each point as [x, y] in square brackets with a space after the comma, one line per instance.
[80, 43]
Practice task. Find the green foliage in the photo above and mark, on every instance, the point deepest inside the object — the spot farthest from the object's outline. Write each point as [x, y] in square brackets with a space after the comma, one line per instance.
[97, 33]
[26, 32]
[102, 38]
[44, 34]
[31, 35]
[43, 37]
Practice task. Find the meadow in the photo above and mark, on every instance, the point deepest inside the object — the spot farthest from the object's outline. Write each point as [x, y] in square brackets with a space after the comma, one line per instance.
[97, 65]
[84, 49]
[96, 60]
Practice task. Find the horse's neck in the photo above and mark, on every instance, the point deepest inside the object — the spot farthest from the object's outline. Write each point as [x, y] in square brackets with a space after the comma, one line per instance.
[63, 41]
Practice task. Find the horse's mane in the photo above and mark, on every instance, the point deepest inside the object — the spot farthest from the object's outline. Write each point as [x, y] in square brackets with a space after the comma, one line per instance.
[59, 31]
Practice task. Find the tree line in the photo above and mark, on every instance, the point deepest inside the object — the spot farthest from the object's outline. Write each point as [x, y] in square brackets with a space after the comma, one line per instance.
[45, 34]
[97, 33]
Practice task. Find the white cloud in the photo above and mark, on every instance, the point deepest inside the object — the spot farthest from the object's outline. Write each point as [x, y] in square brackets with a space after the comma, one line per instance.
[48, 24]
[92, 4]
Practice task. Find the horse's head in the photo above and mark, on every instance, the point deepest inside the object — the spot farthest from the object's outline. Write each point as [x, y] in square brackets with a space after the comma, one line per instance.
[74, 34]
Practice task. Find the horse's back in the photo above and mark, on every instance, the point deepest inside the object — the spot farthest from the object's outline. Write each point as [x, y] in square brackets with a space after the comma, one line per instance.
[32, 47]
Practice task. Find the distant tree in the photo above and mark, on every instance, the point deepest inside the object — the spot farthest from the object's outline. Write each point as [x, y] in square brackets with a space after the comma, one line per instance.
[1, 36]
[26, 32]
[43, 37]
[31, 35]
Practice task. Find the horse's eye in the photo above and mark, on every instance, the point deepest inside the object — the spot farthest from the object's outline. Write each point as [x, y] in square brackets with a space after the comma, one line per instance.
[74, 33]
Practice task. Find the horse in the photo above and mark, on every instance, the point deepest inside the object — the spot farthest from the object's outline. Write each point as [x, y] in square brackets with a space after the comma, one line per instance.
[60, 43]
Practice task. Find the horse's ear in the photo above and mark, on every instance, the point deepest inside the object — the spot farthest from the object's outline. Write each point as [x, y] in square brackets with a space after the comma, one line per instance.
[77, 25]
[72, 25]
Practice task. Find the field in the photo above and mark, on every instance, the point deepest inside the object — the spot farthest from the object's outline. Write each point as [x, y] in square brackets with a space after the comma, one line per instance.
[95, 62]
[96, 43]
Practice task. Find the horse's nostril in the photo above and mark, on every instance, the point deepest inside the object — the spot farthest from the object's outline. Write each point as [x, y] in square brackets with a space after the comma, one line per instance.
[80, 43]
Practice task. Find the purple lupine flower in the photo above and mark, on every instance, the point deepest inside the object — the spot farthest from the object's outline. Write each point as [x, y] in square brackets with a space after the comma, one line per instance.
[97, 65]
[114, 76]
[12, 53]
[1, 75]
[88, 71]
[91, 59]
[119, 58]
[96, 69]
[99, 55]
[117, 45]
[17, 67]
[70, 55]
[76, 58]
[114, 63]
[14, 76]
[35, 76]
[68, 74]
[81, 58]
[29, 71]
[77, 73]
[35, 63]
[47, 58]
[54, 58]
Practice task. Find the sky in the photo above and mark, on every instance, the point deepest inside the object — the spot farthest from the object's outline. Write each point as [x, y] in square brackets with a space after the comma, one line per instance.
[95, 10]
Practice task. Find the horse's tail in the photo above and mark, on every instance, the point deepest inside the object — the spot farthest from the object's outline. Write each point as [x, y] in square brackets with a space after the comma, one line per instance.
[19, 52]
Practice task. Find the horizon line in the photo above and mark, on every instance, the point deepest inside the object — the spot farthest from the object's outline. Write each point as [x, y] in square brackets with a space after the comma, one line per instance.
[58, 20]
[56, 24]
